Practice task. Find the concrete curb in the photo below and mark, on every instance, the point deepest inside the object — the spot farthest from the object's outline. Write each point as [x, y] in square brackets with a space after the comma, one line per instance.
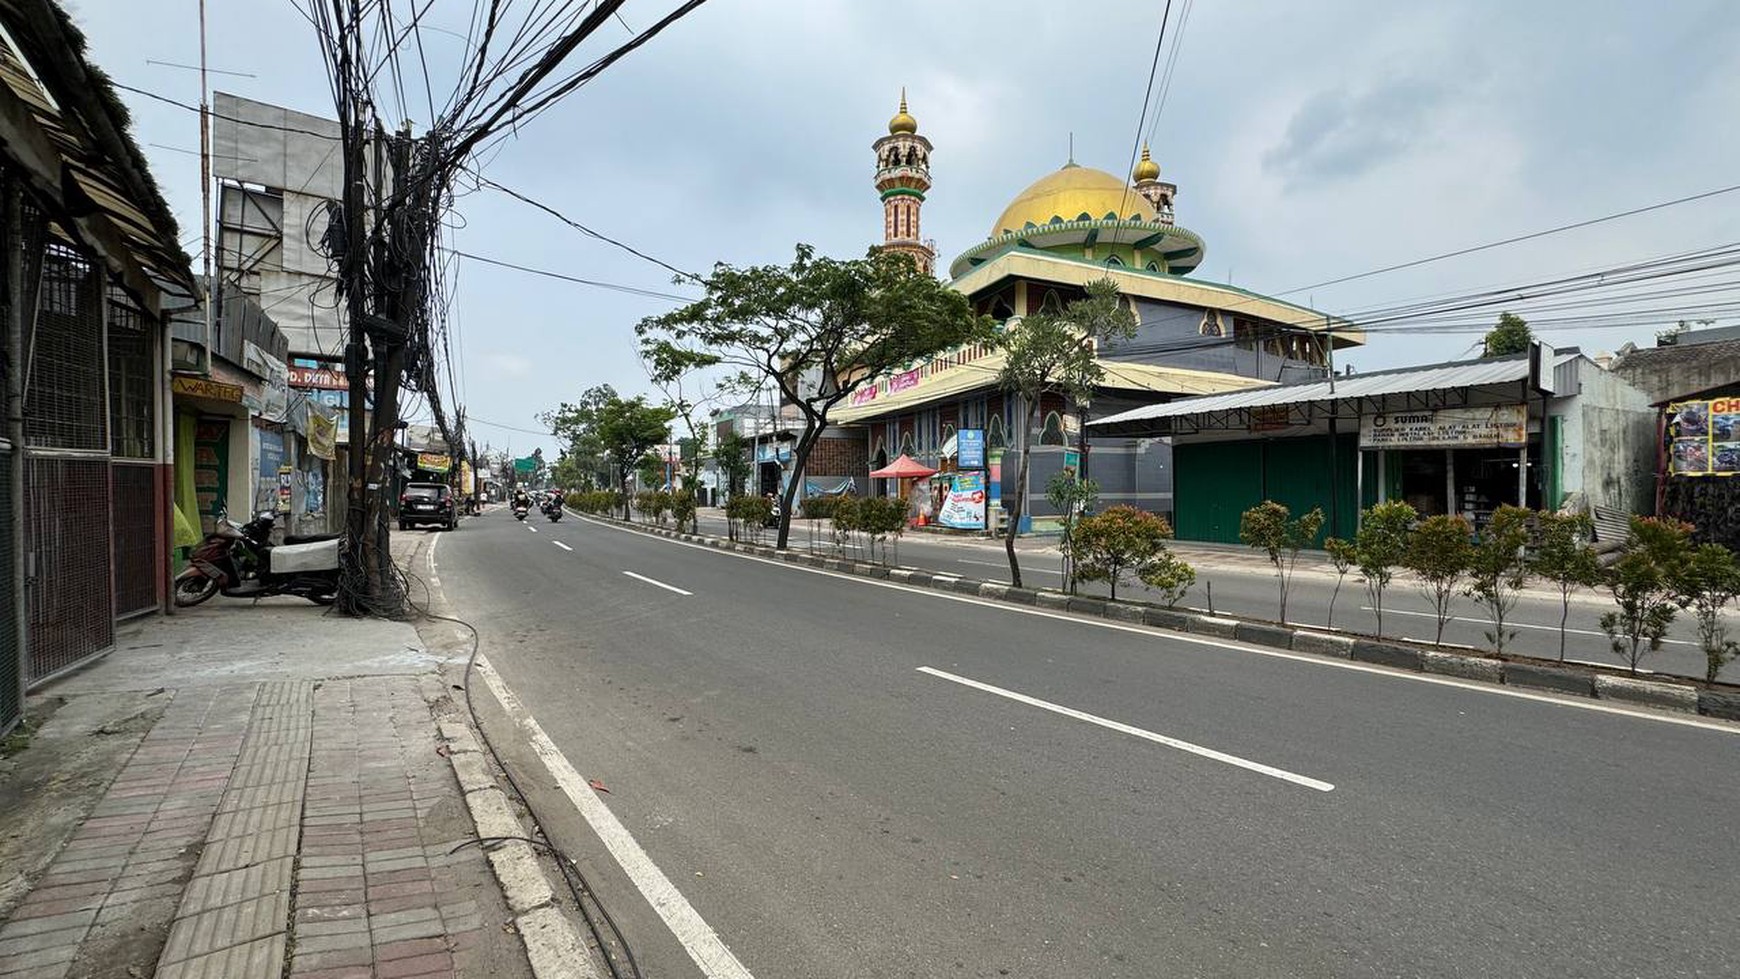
[553, 945]
[1676, 696]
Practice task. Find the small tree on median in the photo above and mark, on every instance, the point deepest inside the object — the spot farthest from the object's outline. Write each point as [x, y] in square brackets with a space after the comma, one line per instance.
[1271, 528]
[1342, 557]
[1117, 541]
[1071, 496]
[1710, 582]
[1380, 545]
[1563, 557]
[1052, 352]
[1439, 552]
[626, 431]
[1498, 568]
[1170, 575]
[1643, 584]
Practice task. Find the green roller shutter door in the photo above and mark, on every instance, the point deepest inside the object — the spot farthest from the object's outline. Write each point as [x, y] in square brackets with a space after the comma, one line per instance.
[1212, 484]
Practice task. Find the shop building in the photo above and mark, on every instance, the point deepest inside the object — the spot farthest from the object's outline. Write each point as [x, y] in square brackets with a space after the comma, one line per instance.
[1547, 429]
[90, 249]
[1071, 227]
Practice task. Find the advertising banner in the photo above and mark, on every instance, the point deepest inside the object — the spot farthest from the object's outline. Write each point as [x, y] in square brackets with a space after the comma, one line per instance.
[901, 382]
[1500, 426]
[1704, 437]
[435, 462]
[322, 435]
[964, 504]
[970, 448]
[286, 482]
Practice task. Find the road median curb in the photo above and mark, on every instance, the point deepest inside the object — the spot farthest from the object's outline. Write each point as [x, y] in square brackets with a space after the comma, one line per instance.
[1722, 703]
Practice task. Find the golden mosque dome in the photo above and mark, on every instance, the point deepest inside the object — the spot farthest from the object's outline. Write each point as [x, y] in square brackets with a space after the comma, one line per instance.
[903, 122]
[1147, 169]
[1074, 193]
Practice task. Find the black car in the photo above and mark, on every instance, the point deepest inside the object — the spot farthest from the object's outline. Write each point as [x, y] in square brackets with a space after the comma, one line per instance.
[428, 503]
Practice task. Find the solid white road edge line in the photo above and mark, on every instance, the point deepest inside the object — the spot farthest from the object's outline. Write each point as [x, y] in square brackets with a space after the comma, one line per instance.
[1136, 732]
[651, 581]
[1309, 660]
[698, 938]
[1519, 625]
[561, 545]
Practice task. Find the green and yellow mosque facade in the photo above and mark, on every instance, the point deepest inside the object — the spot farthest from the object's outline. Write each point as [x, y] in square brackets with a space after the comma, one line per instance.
[1070, 227]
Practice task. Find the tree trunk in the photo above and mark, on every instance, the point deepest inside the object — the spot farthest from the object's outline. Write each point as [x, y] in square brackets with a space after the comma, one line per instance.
[1020, 507]
[800, 458]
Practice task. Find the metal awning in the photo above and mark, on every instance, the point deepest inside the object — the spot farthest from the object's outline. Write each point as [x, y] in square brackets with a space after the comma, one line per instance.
[1193, 414]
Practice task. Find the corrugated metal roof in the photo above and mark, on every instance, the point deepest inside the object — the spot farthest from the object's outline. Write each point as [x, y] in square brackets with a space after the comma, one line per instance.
[1466, 373]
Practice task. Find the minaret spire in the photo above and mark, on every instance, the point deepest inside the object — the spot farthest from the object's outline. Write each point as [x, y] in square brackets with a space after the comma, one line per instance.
[902, 178]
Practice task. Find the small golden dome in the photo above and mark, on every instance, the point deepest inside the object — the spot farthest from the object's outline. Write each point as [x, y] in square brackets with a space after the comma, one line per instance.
[1147, 169]
[902, 122]
[1071, 194]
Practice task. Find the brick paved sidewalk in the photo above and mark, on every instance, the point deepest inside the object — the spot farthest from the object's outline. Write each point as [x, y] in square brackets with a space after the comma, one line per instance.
[286, 827]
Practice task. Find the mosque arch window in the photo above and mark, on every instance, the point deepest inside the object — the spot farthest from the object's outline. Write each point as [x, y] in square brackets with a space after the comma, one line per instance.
[1052, 433]
[1211, 324]
[1052, 301]
[906, 444]
[1113, 261]
[1152, 267]
[994, 433]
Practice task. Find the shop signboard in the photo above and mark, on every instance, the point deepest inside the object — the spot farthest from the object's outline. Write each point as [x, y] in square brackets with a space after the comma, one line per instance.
[202, 387]
[1704, 437]
[286, 482]
[970, 448]
[435, 462]
[964, 505]
[1504, 426]
[309, 375]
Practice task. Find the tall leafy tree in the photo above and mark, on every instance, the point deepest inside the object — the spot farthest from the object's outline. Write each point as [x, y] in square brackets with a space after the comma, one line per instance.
[674, 370]
[628, 431]
[731, 458]
[575, 423]
[818, 328]
[1052, 352]
[1511, 336]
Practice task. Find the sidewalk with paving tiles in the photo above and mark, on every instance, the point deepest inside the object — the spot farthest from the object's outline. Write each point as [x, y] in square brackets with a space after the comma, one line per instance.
[276, 801]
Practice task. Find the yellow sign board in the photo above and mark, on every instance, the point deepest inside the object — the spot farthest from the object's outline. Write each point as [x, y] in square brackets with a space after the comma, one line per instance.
[201, 387]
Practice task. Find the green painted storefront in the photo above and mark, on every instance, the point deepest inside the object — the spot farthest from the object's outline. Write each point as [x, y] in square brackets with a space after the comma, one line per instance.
[1215, 482]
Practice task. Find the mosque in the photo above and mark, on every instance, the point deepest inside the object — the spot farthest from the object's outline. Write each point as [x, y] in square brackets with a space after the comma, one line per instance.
[1070, 227]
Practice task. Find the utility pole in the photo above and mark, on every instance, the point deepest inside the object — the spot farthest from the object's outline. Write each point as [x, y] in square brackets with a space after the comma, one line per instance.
[352, 273]
[211, 294]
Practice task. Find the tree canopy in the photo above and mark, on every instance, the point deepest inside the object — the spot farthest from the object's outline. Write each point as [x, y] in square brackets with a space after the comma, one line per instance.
[1511, 336]
[819, 329]
[628, 431]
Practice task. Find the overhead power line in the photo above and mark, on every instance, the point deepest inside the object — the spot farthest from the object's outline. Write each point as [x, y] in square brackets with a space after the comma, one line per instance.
[613, 286]
[1516, 238]
[558, 215]
[218, 115]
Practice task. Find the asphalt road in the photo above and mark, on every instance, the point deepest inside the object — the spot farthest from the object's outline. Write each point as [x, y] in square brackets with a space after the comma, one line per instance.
[1238, 588]
[771, 738]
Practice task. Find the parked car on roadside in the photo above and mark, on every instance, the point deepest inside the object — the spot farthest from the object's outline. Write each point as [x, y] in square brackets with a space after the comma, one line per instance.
[428, 503]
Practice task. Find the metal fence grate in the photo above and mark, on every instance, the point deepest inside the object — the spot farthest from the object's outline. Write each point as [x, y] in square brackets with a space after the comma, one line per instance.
[63, 403]
[131, 418]
[136, 545]
[66, 552]
[11, 710]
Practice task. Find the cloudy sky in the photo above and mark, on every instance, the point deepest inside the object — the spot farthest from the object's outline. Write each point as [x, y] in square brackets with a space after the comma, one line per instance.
[1309, 141]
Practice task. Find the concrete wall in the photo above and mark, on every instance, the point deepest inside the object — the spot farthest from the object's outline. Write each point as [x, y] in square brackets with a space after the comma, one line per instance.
[295, 286]
[1618, 441]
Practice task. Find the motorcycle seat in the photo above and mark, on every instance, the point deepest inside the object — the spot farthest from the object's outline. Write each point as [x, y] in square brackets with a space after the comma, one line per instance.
[309, 538]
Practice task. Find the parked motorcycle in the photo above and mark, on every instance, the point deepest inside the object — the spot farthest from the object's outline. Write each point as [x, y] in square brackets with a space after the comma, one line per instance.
[242, 562]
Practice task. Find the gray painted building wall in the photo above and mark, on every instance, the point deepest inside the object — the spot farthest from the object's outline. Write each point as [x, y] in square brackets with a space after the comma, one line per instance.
[1170, 334]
